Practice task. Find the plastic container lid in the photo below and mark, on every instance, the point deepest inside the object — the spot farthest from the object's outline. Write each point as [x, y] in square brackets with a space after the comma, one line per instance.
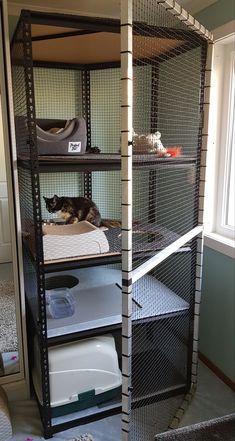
[60, 303]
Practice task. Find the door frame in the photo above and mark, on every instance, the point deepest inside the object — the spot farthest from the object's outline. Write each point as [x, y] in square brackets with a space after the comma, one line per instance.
[16, 385]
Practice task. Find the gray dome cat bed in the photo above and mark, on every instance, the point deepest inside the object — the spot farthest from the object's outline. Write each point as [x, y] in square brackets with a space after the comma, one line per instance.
[5, 421]
[60, 137]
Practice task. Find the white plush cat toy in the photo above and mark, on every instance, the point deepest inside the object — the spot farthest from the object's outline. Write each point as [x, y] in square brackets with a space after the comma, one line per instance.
[155, 140]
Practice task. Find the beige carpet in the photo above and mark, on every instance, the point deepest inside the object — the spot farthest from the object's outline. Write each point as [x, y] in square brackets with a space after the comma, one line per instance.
[8, 334]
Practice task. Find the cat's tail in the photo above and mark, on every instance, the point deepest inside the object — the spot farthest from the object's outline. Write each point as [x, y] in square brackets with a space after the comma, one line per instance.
[111, 223]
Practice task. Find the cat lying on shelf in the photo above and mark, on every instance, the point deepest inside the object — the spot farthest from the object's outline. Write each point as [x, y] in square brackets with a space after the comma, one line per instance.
[76, 209]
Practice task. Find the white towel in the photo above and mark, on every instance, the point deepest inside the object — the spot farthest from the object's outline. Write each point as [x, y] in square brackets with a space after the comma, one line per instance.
[63, 247]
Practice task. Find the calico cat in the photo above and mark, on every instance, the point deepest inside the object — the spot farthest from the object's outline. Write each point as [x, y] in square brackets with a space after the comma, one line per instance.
[74, 209]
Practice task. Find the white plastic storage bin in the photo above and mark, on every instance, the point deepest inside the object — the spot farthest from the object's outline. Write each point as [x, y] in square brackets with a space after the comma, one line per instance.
[82, 374]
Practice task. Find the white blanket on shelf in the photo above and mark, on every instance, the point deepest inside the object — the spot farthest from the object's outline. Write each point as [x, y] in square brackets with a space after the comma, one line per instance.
[69, 246]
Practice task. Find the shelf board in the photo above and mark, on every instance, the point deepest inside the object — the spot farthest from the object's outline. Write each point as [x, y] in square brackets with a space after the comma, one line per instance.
[99, 162]
[148, 239]
[146, 248]
[99, 40]
[98, 303]
[113, 408]
[81, 414]
[163, 394]
[103, 410]
[99, 260]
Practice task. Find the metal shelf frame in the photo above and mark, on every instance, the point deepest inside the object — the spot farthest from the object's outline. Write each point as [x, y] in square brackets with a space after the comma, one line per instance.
[34, 165]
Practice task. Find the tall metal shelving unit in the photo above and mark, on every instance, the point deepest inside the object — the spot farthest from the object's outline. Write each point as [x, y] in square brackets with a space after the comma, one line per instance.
[165, 82]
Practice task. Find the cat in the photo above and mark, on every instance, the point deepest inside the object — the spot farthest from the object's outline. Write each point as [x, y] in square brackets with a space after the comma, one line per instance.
[76, 209]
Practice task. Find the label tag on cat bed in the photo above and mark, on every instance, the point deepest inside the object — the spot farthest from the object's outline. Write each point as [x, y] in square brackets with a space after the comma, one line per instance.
[74, 147]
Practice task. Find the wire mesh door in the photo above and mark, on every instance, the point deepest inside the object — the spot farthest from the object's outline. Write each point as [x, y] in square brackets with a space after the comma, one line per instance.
[163, 68]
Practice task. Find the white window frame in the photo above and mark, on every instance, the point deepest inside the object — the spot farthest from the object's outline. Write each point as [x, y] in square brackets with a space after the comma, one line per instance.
[218, 234]
[226, 142]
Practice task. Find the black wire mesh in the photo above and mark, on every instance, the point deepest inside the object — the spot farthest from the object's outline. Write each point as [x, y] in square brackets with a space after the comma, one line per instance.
[19, 91]
[167, 90]
[144, 423]
[166, 98]
[106, 193]
[105, 109]
[58, 93]
[162, 339]
[29, 193]
[164, 206]
[26, 208]
[70, 184]
[168, 74]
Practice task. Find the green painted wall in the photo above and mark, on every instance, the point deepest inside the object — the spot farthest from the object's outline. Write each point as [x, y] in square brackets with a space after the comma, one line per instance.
[217, 14]
[217, 324]
[12, 21]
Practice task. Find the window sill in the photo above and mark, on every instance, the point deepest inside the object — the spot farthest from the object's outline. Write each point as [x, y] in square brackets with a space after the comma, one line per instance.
[220, 243]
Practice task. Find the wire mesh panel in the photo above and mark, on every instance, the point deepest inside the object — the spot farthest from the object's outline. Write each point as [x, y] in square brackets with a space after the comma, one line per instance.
[162, 327]
[103, 186]
[30, 270]
[168, 79]
[19, 90]
[106, 193]
[144, 423]
[29, 191]
[58, 93]
[164, 207]
[61, 184]
[168, 65]
[105, 109]
[168, 72]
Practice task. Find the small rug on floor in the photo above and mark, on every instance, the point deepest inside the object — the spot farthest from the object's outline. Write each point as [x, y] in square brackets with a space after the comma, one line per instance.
[217, 429]
[8, 333]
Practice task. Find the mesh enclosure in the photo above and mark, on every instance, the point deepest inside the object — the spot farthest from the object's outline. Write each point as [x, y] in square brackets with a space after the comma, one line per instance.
[61, 184]
[19, 90]
[168, 80]
[161, 339]
[103, 186]
[164, 206]
[144, 424]
[167, 76]
[57, 93]
[106, 193]
[105, 109]
[27, 211]
[168, 72]
[29, 192]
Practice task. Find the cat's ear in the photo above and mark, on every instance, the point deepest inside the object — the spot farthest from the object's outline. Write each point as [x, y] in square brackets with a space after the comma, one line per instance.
[45, 199]
[55, 197]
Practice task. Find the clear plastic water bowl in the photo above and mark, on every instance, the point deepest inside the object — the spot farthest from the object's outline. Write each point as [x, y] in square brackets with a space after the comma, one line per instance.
[60, 303]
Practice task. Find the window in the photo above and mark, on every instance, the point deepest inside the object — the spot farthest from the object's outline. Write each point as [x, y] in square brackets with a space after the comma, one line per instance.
[225, 203]
[220, 207]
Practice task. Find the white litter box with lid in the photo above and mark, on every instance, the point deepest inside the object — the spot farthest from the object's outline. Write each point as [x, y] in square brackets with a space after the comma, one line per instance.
[82, 374]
